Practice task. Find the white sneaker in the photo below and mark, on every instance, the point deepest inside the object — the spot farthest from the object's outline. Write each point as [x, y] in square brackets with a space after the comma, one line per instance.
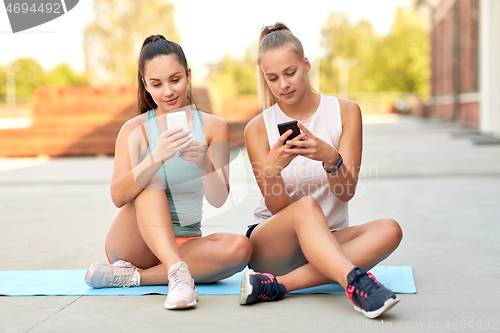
[120, 274]
[182, 293]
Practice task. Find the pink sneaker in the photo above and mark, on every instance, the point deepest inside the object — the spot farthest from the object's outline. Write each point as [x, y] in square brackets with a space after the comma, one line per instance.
[120, 274]
[182, 293]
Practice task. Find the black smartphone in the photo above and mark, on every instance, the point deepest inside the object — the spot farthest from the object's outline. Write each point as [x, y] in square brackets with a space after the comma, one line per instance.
[283, 127]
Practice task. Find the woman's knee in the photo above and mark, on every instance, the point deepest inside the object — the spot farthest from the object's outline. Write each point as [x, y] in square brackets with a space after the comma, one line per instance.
[307, 205]
[307, 209]
[238, 248]
[392, 230]
[155, 190]
[155, 184]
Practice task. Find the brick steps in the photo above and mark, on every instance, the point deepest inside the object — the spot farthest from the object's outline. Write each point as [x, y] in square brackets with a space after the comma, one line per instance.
[77, 121]
[72, 121]
[27, 143]
[49, 128]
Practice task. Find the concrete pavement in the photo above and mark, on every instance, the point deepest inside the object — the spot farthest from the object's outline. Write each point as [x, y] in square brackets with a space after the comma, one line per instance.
[441, 188]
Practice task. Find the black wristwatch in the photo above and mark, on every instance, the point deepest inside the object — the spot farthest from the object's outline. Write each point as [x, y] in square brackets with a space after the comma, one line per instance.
[336, 167]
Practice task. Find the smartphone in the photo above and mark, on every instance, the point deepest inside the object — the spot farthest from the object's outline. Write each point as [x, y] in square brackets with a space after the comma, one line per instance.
[177, 119]
[283, 127]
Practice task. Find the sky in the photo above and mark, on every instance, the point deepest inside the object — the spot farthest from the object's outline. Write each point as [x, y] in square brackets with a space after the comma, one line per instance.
[209, 30]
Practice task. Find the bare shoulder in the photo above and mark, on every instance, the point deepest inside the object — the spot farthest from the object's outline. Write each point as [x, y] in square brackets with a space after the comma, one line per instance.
[214, 128]
[212, 120]
[256, 126]
[133, 123]
[256, 140]
[131, 135]
[350, 112]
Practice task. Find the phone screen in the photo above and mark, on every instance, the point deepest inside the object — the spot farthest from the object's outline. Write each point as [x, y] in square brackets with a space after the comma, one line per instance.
[283, 127]
[177, 119]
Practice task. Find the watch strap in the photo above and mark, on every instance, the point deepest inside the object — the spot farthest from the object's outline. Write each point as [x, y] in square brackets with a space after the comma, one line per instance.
[336, 167]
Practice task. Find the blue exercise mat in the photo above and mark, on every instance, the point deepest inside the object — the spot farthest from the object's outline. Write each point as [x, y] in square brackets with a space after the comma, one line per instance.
[71, 283]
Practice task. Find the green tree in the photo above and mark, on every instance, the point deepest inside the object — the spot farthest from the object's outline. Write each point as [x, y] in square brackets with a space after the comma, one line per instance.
[28, 75]
[402, 58]
[236, 77]
[3, 84]
[341, 38]
[399, 61]
[63, 75]
[112, 41]
[223, 79]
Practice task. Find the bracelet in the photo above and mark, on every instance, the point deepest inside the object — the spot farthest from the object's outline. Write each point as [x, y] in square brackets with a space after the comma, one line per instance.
[336, 167]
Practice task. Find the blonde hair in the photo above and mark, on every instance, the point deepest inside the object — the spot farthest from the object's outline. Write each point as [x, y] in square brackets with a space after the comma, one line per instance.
[274, 37]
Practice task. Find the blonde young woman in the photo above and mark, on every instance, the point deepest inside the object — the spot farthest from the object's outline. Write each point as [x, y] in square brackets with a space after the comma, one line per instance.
[300, 234]
[160, 177]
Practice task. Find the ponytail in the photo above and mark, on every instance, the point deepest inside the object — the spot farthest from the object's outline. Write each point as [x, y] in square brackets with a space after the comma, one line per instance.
[274, 37]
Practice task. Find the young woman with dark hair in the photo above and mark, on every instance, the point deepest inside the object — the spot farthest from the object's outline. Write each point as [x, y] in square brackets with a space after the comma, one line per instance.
[160, 177]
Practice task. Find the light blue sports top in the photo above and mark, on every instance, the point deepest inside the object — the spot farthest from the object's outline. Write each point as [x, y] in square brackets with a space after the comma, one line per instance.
[182, 181]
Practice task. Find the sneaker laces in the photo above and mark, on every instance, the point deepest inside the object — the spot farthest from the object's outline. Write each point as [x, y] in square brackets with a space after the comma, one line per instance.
[366, 283]
[268, 288]
[122, 276]
[179, 277]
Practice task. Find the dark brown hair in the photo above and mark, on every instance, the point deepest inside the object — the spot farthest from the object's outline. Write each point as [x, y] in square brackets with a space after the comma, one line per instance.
[154, 46]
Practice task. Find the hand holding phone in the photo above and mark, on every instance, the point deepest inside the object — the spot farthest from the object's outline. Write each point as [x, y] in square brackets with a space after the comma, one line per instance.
[177, 119]
[283, 127]
[172, 141]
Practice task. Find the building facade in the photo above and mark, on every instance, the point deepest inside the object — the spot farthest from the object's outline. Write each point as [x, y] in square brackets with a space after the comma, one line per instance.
[465, 39]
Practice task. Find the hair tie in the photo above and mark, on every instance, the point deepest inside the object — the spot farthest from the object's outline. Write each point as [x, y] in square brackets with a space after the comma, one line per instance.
[273, 29]
[154, 38]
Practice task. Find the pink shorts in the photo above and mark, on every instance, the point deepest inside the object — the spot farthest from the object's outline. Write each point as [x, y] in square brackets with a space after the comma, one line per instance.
[179, 240]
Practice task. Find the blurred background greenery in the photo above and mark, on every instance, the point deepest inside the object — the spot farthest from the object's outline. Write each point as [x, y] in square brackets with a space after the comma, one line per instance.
[395, 62]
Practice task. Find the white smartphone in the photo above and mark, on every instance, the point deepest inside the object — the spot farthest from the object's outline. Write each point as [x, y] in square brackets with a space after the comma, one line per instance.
[177, 119]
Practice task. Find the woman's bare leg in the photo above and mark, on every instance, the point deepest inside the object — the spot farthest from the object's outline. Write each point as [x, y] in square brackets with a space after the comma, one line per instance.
[142, 234]
[307, 254]
[209, 259]
[143, 230]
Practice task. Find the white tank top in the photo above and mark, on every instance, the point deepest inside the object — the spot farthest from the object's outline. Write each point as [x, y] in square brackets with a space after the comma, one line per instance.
[303, 176]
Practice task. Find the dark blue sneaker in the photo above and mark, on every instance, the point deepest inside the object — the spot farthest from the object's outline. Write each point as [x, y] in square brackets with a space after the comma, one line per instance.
[367, 294]
[260, 287]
